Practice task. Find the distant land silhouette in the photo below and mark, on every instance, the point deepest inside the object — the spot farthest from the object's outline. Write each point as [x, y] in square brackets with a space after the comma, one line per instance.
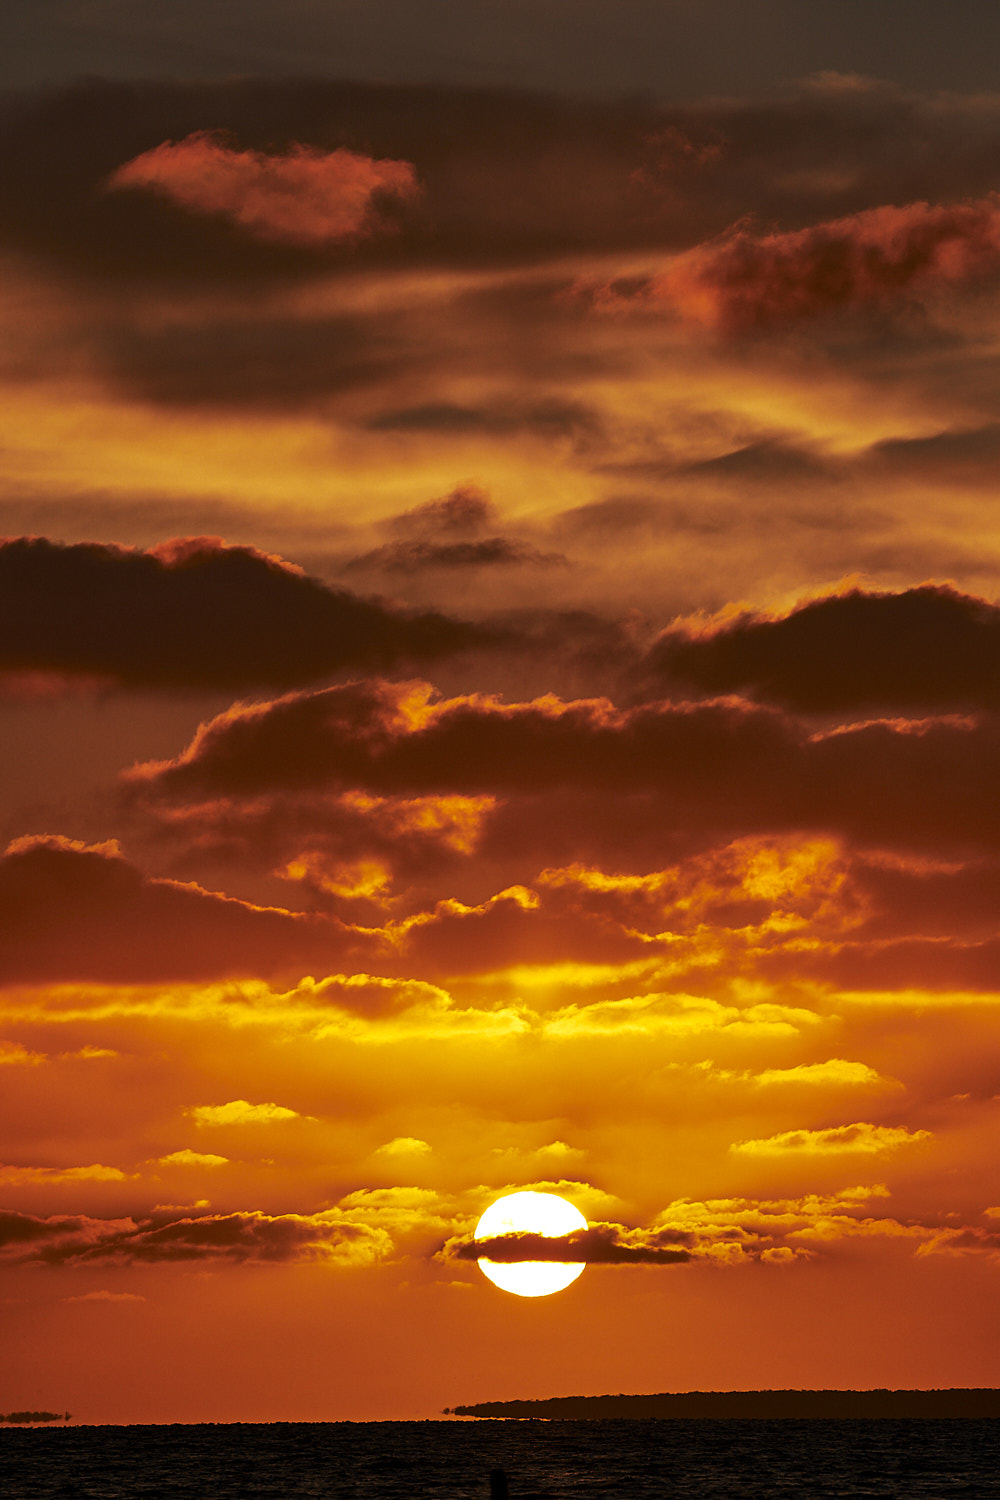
[724, 1405]
[34, 1416]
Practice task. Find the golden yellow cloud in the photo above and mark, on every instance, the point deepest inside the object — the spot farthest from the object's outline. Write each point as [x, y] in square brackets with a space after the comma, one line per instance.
[239, 1112]
[861, 1137]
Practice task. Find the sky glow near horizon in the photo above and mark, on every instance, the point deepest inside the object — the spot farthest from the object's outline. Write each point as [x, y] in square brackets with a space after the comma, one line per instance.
[499, 649]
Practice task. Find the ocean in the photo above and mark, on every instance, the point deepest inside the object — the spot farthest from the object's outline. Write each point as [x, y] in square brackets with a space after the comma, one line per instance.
[585, 1460]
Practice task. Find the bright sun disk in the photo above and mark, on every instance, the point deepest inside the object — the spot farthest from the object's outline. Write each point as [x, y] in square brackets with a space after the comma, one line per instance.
[530, 1213]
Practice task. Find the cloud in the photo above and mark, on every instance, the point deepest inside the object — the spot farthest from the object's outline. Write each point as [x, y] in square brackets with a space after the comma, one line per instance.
[599, 1244]
[239, 1112]
[13, 1054]
[490, 552]
[210, 1238]
[30, 1176]
[404, 1145]
[869, 1140]
[582, 175]
[305, 196]
[549, 418]
[104, 1296]
[195, 613]
[745, 281]
[929, 649]
[77, 911]
[721, 1232]
[837, 1071]
[581, 775]
[189, 1158]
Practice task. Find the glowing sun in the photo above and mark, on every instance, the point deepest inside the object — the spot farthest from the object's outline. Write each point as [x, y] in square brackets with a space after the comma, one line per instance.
[532, 1213]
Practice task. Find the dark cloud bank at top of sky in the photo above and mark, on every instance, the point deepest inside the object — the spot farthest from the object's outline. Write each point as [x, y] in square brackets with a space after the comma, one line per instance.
[500, 174]
[668, 47]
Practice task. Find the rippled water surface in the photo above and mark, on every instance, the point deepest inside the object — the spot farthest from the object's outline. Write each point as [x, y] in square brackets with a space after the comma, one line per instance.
[705, 1460]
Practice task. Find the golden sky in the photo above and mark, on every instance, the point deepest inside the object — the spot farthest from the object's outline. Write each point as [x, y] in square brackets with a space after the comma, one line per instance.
[499, 665]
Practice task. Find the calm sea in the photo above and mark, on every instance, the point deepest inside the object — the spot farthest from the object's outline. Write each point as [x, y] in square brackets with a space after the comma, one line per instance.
[737, 1460]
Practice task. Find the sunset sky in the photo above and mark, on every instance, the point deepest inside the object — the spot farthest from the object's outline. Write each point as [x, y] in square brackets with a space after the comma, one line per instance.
[499, 689]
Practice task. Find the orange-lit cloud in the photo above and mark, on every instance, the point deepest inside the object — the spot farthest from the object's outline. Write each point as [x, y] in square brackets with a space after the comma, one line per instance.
[746, 281]
[306, 196]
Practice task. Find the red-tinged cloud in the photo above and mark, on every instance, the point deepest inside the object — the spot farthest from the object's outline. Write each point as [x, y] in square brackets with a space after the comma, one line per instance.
[219, 1238]
[73, 912]
[926, 650]
[305, 196]
[746, 281]
[196, 613]
[514, 927]
[69, 911]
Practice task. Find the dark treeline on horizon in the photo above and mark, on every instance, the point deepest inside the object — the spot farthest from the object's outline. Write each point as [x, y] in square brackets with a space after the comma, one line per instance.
[724, 1405]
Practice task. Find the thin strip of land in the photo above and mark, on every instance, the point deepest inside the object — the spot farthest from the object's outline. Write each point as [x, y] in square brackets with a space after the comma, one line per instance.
[724, 1405]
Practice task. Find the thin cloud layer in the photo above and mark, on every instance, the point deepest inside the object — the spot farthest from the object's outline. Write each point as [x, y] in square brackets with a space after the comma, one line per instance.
[304, 197]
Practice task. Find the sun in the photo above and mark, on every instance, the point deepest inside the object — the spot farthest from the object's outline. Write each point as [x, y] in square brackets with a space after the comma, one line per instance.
[535, 1213]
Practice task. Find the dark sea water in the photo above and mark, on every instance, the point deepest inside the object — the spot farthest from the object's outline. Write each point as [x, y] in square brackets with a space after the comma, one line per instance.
[704, 1460]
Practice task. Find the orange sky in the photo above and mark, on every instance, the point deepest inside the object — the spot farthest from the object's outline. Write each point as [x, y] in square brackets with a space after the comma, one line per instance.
[498, 689]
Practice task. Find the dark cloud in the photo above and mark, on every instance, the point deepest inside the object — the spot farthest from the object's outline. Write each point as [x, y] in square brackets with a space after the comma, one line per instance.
[964, 454]
[723, 48]
[75, 912]
[547, 419]
[477, 154]
[766, 461]
[448, 533]
[489, 552]
[234, 1238]
[600, 1244]
[72, 912]
[710, 771]
[504, 174]
[195, 613]
[273, 362]
[926, 650]
[457, 516]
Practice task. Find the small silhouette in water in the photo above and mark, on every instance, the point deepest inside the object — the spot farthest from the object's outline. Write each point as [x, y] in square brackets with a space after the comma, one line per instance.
[498, 1485]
